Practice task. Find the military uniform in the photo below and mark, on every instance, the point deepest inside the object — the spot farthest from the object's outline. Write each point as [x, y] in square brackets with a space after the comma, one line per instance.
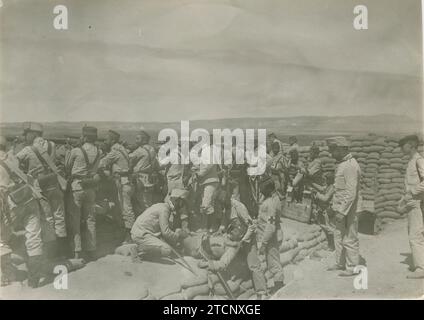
[294, 172]
[269, 234]
[117, 160]
[20, 210]
[144, 159]
[82, 164]
[249, 245]
[414, 184]
[54, 207]
[155, 222]
[278, 173]
[345, 202]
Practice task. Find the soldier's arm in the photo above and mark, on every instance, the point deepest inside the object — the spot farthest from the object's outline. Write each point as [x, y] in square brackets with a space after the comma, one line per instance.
[225, 260]
[109, 159]
[168, 235]
[419, 189]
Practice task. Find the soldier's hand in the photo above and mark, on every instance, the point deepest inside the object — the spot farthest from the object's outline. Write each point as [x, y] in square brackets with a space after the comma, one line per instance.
[203, 264]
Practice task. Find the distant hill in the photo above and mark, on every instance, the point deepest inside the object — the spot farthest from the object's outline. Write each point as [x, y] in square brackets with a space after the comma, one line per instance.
[307, 126]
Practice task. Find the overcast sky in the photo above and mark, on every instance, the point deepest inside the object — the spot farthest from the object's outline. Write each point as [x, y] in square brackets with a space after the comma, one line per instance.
[163, 60]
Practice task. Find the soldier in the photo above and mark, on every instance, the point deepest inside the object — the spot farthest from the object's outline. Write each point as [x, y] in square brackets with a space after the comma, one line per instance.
[412, 201]
[153, 231]
[206, 175]
[82, 165]
[293, 143]
[20, 210]
[237, 219]
[117, 162]
[268, 231]
[273, 139]
[295, 169]
[313, 172]
[278, 170]
[344, 204]
[144, 164]
[38, 160]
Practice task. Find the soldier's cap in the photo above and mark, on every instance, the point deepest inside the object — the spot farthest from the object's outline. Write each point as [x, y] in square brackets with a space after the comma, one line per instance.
[338, 141]
[293, 138]
[275, 144]
[409, 138]
[33, 126]
[89, 131]
[114, 134]
[179, 193]
[272, 134]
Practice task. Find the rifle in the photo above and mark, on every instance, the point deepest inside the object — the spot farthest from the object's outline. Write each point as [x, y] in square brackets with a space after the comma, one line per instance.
[21, 175]
[186, 265]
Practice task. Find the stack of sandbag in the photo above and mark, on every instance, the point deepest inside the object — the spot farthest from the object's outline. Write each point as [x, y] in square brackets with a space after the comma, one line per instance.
[304, 154]
[296, 247]
[328, 162]
[390, 179]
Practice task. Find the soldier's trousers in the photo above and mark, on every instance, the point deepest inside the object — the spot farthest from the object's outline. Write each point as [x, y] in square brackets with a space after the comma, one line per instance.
[346, 241]
[416, 234]
[273, 260]
[54, 210]
[83, 220]
[151, 246]
[254, 264]
[125, 194]
[144, 197]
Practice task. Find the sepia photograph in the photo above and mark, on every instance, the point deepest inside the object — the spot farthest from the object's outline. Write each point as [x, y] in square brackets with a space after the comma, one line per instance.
[223, 150]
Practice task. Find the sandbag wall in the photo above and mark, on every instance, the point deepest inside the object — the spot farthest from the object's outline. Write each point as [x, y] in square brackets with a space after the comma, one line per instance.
[383, 168]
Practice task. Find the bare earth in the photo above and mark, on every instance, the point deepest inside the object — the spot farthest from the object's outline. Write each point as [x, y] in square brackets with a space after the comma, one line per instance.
[387, 257]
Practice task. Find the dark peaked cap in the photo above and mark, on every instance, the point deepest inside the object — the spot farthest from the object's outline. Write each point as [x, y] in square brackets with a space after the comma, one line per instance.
[409, 138]
[114, 134]
[89, 131]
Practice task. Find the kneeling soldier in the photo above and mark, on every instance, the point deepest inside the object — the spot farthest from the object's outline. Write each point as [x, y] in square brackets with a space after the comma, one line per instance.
[153, 231]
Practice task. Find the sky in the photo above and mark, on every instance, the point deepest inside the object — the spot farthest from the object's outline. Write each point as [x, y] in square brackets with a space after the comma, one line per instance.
[172, 60]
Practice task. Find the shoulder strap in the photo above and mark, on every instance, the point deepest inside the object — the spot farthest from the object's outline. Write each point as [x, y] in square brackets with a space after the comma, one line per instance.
[40, 157]
[87, 161]
[49, 148]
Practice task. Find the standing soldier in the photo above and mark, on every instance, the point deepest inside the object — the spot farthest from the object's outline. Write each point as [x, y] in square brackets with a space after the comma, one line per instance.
[313, 172]
[118, 162]
[295, 169]
[20, 209]
[38, 160]
[278, 170]
[412, 201]
[269, 233]
[144, 164]
[82, 165]
[206, 175]
[344, 205]
[273, 139]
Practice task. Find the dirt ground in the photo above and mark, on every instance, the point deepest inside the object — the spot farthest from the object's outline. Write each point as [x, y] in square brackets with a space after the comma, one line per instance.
[387, 258]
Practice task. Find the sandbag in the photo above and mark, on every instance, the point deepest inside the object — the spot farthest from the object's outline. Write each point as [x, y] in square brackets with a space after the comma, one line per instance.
[175, 296]
[194, 281]
[190, 293]
[246, 295]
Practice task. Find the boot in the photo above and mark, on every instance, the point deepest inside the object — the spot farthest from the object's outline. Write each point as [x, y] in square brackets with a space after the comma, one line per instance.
[35, 265]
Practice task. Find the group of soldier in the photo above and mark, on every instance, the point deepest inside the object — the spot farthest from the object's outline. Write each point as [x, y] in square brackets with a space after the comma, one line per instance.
[49, 196]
